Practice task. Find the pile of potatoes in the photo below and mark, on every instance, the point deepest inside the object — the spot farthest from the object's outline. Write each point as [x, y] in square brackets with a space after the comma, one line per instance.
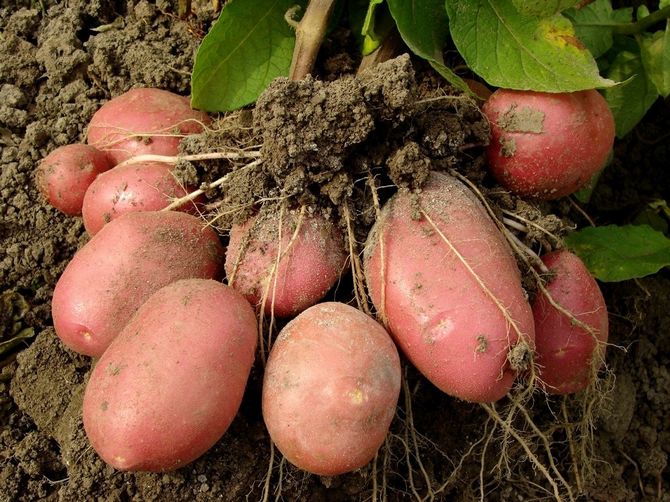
[175, 346]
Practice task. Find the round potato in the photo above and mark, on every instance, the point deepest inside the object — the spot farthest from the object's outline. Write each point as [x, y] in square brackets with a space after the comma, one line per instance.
[171, 383]
[121, 266]
[66, 173]
[144, 121]
[146, 186]
[331, 387]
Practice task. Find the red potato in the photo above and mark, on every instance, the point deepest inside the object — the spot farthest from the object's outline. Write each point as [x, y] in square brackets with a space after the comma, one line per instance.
[144, 121]
[307, 269]
[564, 350]
[66, 173]
[121, 266]
[450, 290]
[171, 383]
[331, 388]
[146, 186]
[548, 145]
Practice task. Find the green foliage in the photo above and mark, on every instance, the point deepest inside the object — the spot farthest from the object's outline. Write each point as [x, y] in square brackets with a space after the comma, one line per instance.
[370, 22]
[249, 45]
[655, 52]
[617, 253]
[515, 51]
[594, 24]
[424, 27]
[542, 8]
[631, 100]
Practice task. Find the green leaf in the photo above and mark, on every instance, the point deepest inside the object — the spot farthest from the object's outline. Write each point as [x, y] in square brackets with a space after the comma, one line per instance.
[655, 52]
[370, 22]
[542, 8]
[631, 100]
[593, 24]
[615, 253]
[424, 27]
[249, 45]
[515, 51]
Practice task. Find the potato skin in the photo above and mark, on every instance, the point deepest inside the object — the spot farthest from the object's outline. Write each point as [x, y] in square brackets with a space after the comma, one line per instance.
[123, 126]
[171, 383]
[331, 388]
[547, 145]
[146, 186]
[121, 266]
[564, 350]
[66, 173]
[438, 313]
[307, 270]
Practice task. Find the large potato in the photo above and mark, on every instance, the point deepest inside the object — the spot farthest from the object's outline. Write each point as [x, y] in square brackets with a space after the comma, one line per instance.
[307, 269]
[331, 388]
[118, 269]
[144, 121]
[565, 350]
[171, 383]
[450, 290]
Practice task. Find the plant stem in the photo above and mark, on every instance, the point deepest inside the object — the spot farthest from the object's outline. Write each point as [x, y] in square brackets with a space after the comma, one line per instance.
[308, 37]
[642, 24]
[387, 50]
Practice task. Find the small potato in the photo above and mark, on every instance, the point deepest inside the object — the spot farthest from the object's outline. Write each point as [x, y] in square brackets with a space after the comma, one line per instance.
[440, 271]
[144, 121]
[121, 266]
[566, 351]
[308, 267]
[66, 173]
[146, 186]
[171, 383]
[547, 145]
[331, 388]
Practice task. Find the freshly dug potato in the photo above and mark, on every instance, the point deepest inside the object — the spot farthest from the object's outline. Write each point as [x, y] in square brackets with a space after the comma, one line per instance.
[144, 121]
[146, 186]
[548, 145]
[171, 383]
[441, 273]
[121, 266]
[565, 351]
[331, 387]
[308, 267]
[66, 173]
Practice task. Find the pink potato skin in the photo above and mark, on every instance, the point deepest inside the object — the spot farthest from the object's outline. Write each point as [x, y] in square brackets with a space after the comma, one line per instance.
[307, 270]
[121, 266]
[564, 350]
[331, 388]
[437, 311]
[66, 173]
[547, 145]
[144, 121]
[171, 383]
[146, 186]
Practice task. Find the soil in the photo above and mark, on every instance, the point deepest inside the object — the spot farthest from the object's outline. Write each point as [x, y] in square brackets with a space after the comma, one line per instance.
[59, 62]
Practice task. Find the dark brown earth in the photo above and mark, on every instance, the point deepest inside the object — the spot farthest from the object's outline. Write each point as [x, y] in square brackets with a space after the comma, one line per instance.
[58, 64]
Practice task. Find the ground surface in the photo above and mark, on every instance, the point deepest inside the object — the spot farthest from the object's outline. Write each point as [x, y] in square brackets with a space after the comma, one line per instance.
[56, 67]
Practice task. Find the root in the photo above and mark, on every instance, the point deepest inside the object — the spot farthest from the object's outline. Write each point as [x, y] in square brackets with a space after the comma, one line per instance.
[268, 475]
[169, 159]
[524, 444]
[197, 193]
[171, 131]
[382, 255]
[356, 267]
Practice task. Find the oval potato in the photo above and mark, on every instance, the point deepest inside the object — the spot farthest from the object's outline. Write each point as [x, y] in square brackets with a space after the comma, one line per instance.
[171, 383]
[121, 266]
[450, 290]
[331, 388]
